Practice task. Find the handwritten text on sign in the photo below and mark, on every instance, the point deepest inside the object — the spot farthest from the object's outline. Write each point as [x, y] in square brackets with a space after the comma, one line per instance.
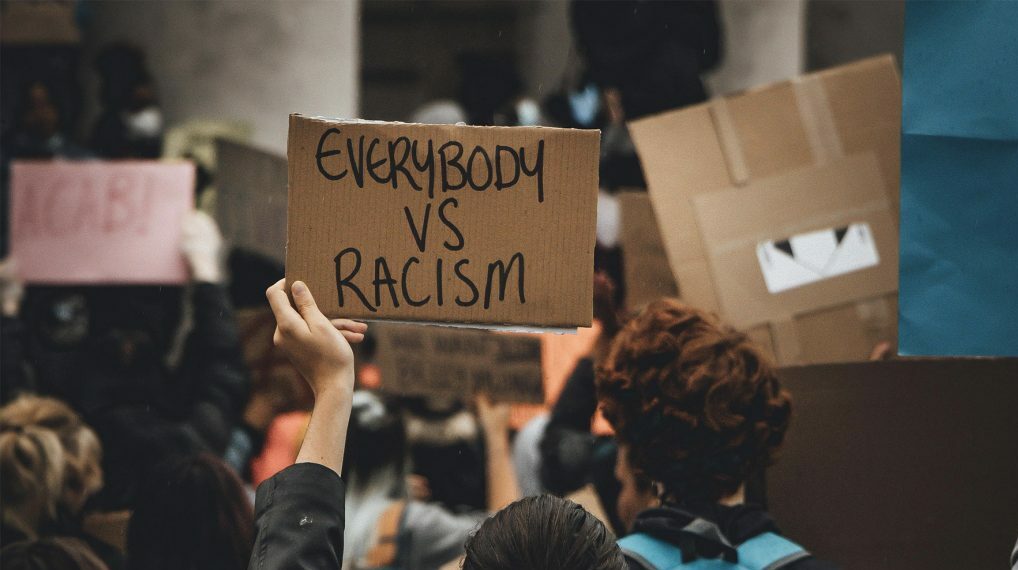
[444, 223]
[99, 222]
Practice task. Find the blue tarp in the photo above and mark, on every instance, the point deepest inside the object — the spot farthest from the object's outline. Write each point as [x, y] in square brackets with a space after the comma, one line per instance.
[959, 180]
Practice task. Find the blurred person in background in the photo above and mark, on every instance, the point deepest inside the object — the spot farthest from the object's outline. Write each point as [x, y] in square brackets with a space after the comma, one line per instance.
[50, 554]
[699, 411]
[82, 470]
[107, 351]
[32, 466]
[385, 527]
[192, 513]
[131, 122]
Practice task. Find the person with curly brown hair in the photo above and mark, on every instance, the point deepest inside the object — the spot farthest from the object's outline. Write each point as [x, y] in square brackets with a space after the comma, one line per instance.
[698, 411]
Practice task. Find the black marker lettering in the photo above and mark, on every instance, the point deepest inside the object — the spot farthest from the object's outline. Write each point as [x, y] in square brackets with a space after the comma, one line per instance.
[356, 163]
[453, 162]
[327, 153]
[399, 166]
[421, 237]
[538, 169]
[427, 166]
[438, 280]
[469, 283]
[470, 167]
[452, 227]
[372, 165]
[345, 281]
[500, 183]
[503, 275]
[381, 267]
[406, 294]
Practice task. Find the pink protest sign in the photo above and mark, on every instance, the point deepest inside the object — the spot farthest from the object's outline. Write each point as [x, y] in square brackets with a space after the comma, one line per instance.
[100, 222]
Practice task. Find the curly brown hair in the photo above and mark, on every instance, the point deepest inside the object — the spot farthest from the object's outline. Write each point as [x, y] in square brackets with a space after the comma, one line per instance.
[696, 402]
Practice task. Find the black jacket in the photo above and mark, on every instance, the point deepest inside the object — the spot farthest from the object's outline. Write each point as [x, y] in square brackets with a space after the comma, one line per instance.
[299, 520]
[738, 524]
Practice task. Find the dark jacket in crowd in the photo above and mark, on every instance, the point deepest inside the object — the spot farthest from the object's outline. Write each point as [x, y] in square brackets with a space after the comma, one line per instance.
[738, 523]
[299, 519]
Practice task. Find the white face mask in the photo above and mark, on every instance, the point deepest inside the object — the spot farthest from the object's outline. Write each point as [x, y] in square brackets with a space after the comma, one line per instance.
[144, 124]
[528, 113]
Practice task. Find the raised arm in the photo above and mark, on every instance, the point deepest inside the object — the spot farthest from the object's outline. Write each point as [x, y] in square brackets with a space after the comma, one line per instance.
[502, 485]
[299, 512]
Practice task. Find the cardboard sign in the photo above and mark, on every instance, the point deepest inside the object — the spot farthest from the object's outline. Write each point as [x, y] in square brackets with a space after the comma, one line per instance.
[483, 226]
[959, 173]
[644, 265]
[824, 150]
[459, 362]
[251, 198]
[901, 464]
[843, 192]
[100, 222]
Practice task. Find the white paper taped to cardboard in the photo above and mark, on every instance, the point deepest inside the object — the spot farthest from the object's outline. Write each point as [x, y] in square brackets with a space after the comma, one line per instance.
[810, 257]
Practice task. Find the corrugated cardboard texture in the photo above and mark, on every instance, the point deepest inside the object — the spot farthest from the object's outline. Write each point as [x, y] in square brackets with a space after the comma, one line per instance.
[901, 464]
[839, 193]
[444, 361]
[251, 198]
[644, 264]
[538, 230]
[740, 140]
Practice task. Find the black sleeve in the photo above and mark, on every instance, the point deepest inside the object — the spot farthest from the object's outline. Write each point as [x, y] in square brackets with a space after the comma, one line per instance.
[567, 446]
[14, 376]
[299, 520]
[213, 381]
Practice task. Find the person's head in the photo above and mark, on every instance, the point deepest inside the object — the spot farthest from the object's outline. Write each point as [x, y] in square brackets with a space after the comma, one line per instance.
[192, 513]
[31, 477]
[696, 407]
[375, 444]
[543, 533]
[61, 553]
[83, 475]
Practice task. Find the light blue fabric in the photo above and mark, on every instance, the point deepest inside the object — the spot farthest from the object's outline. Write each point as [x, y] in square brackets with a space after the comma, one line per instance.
[761, 552]
[959, 180]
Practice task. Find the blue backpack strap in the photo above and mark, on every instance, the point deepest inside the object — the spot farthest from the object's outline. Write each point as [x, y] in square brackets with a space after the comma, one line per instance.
[769, 551]
[652, 553]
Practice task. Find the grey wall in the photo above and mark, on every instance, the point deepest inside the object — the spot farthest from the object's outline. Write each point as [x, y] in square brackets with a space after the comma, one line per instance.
[250, 61]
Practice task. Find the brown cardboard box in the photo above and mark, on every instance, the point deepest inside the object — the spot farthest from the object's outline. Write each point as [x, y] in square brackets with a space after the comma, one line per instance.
[446, 361]
[484, 226]
[736, 179]
[901, 464]
[645, 266]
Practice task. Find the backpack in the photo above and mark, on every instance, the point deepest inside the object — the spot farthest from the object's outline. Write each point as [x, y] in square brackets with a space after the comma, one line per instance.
[766, 551]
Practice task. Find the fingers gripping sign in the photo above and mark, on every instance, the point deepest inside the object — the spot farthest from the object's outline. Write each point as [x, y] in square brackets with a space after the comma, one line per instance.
[317, 347]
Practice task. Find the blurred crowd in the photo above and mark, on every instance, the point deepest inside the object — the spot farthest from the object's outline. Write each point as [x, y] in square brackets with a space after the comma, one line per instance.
[136, 425]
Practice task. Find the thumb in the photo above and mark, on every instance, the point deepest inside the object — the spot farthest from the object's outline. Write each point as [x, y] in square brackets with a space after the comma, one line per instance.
[305, 302]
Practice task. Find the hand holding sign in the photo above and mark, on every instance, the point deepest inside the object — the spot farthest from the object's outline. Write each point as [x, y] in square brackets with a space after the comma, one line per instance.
[317, 347]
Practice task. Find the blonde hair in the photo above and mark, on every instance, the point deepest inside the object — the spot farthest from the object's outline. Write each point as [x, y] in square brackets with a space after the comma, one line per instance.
[83, 474]
[31, 476]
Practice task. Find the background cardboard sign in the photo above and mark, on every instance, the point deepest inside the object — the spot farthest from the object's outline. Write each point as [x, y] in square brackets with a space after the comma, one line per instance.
[446, 361]
[646, 272]
[901, 464]
[486, 226]
[731, 144]
[100, 222]
[840, 193]
[959, 175]
[251, 198]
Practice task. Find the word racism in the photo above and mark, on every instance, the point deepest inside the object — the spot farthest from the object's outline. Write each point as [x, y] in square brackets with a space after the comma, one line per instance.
[449, 168]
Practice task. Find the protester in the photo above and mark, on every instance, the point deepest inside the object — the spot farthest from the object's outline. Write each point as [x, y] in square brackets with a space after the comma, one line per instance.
[543, 533]
[31, 481]
[50, 554]
[193, 513]
[386, 528]
[698, 410]
[81, 459]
